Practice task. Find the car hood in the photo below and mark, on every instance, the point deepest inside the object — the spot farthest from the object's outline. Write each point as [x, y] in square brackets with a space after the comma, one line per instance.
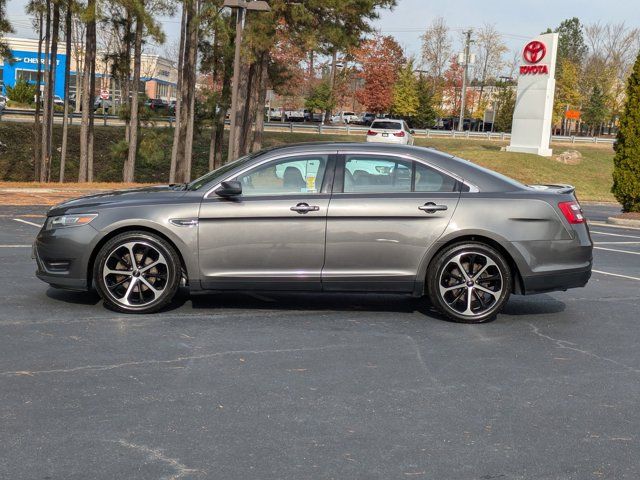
[130, 197]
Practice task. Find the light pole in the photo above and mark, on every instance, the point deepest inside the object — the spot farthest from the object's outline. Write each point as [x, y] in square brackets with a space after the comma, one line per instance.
[241, 6]
[463, 100]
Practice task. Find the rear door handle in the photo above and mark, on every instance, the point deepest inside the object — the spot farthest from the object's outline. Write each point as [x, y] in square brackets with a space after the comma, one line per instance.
[431, 207]
[304, 208]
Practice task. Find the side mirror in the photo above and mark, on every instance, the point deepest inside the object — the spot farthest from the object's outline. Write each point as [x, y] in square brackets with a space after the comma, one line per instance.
[231, 188]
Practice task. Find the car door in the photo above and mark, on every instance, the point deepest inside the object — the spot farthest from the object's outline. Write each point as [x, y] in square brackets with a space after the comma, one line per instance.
[272, 236]
[385, 212]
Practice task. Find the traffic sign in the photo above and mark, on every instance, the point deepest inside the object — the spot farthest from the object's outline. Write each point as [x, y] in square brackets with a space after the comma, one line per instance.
[104, 94]
[572, 114]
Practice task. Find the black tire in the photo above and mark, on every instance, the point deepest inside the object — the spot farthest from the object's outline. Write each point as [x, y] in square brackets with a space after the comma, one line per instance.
[157, 265]
[486, 280]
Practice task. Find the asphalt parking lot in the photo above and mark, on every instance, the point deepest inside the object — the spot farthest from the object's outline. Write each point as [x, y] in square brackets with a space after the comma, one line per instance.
[266, 386]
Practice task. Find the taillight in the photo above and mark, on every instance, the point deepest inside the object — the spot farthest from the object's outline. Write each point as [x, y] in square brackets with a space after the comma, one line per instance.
[572, 212]
[399, 134]
[371, 132]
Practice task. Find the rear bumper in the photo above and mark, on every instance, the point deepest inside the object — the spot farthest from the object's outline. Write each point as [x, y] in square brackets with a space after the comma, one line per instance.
[558, 280]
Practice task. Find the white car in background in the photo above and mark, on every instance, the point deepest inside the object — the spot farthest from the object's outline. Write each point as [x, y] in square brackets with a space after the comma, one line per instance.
[385, 130]
[345, 117]
[3, 102]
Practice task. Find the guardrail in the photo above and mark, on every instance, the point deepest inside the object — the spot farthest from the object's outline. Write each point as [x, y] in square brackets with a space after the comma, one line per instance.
[16, 115]
[315, 128]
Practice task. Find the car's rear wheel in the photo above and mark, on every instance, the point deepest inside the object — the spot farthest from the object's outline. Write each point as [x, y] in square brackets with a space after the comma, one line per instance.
[469, 282]
[137, 272]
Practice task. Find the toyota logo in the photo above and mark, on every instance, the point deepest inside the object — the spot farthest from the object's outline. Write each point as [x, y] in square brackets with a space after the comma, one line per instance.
[535, 51]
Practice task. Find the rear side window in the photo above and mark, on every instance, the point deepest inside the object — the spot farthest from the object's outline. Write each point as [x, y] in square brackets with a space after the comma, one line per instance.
[381, 174]
[386, 125]
[431, 180]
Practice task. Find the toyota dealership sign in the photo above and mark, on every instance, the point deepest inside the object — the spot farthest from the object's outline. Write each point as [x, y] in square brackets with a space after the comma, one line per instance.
[531, 131]
[534, 53]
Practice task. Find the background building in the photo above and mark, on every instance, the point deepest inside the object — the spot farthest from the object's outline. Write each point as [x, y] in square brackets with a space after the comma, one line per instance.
[159, 75]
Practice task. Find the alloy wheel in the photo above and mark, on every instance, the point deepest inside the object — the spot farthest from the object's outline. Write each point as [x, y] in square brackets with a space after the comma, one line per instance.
[135, 274]
[471, 284]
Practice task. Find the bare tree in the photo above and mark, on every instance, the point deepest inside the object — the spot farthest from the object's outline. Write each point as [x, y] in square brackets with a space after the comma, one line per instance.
[612, 51]
[129, 164]
[511, 65]
[36, 8]
[145, 25]
[436, 47]
[491, 49]
[67, 68]
[78, 32]
[177, 131]
[47, 118]
[85, 173]
[185, 102]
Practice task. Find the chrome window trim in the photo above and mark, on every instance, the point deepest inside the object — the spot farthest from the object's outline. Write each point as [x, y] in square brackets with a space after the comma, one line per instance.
[472, 188]
[266, 160]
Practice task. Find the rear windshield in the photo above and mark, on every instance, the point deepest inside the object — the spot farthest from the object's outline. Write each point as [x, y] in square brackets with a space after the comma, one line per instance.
[386, 125]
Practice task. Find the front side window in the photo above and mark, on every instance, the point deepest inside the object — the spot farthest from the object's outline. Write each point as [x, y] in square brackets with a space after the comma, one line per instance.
[291, 175]
[380, 174]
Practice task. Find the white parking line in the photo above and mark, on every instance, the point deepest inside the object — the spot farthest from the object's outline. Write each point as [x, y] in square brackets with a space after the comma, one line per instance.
[15, 246]
[27, 222]
[616, 243]
[616, 275]
[615, 250]
[614, 234]
[609, 225]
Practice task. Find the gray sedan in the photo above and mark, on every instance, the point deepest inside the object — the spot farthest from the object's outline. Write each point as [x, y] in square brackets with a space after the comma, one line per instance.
[324, 217]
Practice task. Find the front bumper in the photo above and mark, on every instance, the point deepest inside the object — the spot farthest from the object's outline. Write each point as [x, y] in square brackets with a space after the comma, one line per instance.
[62, 256]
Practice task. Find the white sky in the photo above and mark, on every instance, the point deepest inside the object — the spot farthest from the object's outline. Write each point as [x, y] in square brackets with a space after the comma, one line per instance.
[517, 20]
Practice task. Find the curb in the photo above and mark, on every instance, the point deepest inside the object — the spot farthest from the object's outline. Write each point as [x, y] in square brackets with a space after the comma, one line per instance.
[626, 222]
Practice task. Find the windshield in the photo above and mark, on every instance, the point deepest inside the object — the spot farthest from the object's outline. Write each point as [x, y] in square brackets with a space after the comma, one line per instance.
[213, 175]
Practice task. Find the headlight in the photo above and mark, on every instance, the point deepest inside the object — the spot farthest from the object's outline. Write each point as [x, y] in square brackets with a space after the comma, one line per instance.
[71, 220]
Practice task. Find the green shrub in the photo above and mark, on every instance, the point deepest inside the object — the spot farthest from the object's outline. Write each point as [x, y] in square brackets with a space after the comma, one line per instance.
[22, 92]
[626, 171]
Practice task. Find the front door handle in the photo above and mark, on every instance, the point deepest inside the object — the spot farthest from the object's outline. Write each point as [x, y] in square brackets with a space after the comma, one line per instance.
[431, 207]
[304, 208]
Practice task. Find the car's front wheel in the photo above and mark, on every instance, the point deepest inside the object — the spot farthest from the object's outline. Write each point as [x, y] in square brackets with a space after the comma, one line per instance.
[137, 272]
[469, 282]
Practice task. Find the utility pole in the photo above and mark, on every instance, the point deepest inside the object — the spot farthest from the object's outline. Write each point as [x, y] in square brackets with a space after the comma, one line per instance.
[235, 82]
[241, 6]
[463, 100]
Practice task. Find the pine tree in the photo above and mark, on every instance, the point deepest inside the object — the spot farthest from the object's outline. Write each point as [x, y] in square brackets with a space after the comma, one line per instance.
[626, 172]
[596, 110]
[506, 106]
[321, 98]
[426, 115]
[5, 27]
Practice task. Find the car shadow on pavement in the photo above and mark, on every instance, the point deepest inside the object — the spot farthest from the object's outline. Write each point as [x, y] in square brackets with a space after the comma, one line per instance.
[303, 301]
[76, 298]
[316, 302]
[542, 304]
[336, 302]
